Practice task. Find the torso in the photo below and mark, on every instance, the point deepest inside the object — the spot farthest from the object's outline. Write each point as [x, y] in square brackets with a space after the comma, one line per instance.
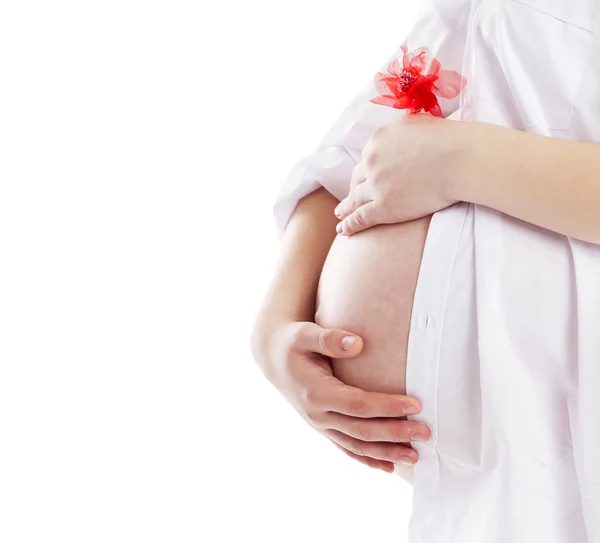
[367, 287]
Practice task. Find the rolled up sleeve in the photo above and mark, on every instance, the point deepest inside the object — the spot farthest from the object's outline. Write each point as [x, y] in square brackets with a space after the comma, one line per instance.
[441, 27]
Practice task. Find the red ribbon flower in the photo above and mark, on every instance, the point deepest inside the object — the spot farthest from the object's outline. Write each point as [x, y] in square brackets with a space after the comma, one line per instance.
[417, 83]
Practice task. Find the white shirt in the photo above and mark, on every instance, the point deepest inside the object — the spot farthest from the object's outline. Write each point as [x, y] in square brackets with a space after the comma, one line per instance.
[504, 346]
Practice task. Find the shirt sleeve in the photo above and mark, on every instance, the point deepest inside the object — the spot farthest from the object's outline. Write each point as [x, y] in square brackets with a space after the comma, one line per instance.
[441, 28]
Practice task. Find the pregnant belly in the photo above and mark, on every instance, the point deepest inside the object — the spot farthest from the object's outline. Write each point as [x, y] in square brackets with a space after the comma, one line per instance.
[367, 287]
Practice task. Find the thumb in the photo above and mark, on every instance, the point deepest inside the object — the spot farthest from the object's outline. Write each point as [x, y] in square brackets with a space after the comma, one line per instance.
[328, 342]
[360, 219]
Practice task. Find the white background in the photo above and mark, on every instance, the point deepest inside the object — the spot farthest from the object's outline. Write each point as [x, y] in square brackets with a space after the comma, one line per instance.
[142, 145]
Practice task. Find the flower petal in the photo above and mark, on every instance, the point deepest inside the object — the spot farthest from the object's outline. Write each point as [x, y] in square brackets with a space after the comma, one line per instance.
[394, 68]
[420, 52]
[436, 111]
[434, 67]
[399, 102]
[384, 100]
[402, 101]
[419, 62]
[382, 82]
[405, 59]
[449, 84]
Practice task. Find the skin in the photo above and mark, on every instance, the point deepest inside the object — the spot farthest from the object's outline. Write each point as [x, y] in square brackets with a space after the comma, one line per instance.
[415, 166]
[367, 285]
[419, 164]
[294, 352]
[411, 168]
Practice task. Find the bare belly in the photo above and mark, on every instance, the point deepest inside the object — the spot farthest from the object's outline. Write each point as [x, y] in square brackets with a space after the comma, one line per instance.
[367, 287]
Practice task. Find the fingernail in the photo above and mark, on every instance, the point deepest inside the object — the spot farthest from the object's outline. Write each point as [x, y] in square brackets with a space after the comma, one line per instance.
[339, 228]
[347, 343]
[406, 460]
[336, 211]
[411, 410]
[419, 437]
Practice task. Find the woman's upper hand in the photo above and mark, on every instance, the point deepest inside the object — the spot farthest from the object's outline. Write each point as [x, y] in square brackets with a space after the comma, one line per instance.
[295, 357]
[407, 171]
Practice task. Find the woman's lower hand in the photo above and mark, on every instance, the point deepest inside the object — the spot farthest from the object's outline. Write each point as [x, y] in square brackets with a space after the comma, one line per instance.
[295, 357]
[408, 170]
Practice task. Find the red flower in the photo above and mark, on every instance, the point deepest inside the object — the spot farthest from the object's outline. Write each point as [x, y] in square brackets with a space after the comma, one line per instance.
[417, 83]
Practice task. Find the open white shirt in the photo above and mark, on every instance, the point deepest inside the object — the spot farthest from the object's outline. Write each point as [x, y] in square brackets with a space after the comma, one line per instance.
[504, 347]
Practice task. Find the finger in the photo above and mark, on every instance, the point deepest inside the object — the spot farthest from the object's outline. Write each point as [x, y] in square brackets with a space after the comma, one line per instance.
[388, 452]
[345, 207]
[329, 342]
[359, 175]
[355, 402]
[363, 217]
[383, 429]
[388, 467]
[357, 197]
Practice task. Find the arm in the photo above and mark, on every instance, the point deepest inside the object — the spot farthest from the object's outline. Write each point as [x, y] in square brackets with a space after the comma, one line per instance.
[292, 293]
[293, 352]
[550, 182]
[442, 27]
[289, 347]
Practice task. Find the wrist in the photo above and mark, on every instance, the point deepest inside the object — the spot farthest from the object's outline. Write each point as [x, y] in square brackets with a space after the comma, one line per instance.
[480, 147]
[460, 180]
[263, 330]
[268, 322]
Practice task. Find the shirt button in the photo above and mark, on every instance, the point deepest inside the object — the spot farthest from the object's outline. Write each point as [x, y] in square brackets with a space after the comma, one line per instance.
[425, 322]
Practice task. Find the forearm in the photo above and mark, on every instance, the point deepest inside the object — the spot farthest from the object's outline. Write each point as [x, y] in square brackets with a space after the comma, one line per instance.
[306, 243]
[549, 182]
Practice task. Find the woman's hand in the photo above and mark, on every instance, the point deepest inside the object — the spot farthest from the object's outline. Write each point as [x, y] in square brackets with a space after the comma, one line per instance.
[407, 170]
[295, 358]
